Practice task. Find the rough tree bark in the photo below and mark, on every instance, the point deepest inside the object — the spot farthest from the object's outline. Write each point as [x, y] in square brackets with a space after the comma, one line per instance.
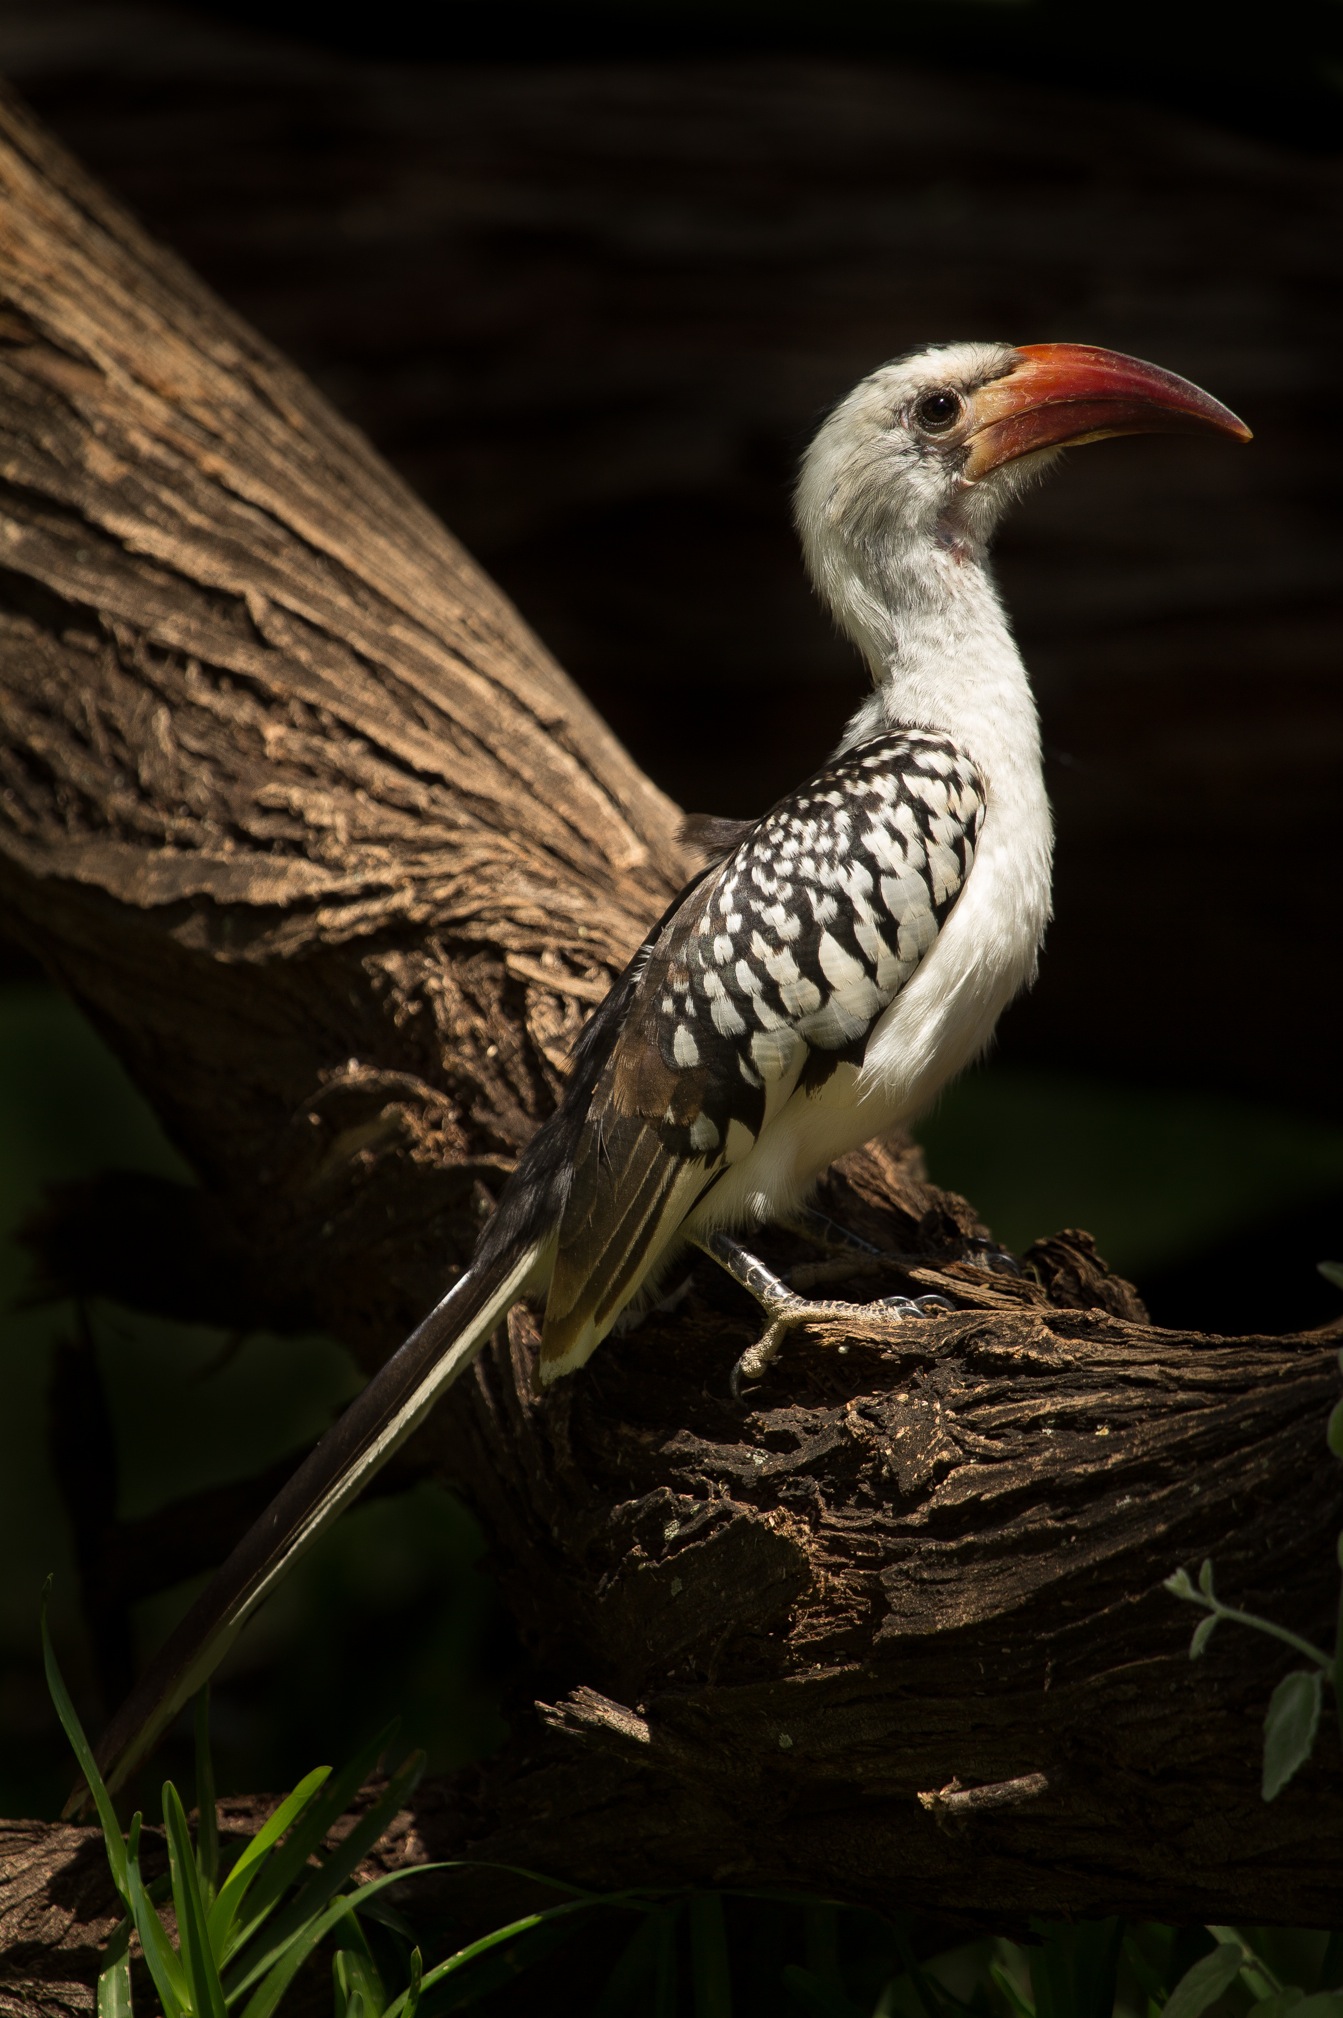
[337, 859]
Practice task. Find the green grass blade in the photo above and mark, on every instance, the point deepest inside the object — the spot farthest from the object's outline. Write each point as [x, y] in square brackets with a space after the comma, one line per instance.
[817, 1995]
[349, 1999]
[710, 1977]
[285, 1966]
[934, 1998]
[83, 1751]
[361, 1970]
[1009, 1992]
[1149, 1980]
[283, 1971]
[1331, 1965]
[628, 1986]
[504, 1979]
[324, 1882]
[357, 1981]
[207, 1994]
[286, 1867]
[497, 1937]
[668, 1982]
[248, 1866]
[114, 1978]
[1073, 1967]
[410, 2002]
[162, 1962]
[207, 1822]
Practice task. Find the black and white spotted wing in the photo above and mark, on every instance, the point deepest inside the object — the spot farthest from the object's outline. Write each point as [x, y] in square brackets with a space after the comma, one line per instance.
[771, 971]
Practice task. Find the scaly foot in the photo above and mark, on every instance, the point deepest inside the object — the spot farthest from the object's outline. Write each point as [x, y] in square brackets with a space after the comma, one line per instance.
[786, 1309]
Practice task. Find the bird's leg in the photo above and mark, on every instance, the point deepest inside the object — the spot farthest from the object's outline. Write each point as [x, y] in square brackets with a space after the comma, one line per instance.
[786, 1309]
[847, 1251]
[986, 1253]
[826, 1232]
[845, 1247]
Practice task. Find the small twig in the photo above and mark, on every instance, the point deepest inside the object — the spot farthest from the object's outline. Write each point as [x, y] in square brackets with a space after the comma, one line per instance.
[955, 1803]
[563, 984]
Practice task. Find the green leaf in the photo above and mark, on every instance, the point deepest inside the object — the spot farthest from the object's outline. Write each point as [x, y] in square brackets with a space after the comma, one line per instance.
[248, 1866]
[1202, 1985]
[1205, 1577]
[1255, 1973]
[83, 1751]
[207, 1818]
[1203, 1632]
[207, 1994]
[1332, 1271]
[1180, 1585]
[1290, 1726]
[162, 1962]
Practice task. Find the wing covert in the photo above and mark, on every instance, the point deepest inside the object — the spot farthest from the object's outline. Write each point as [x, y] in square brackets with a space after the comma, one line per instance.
[771, 972]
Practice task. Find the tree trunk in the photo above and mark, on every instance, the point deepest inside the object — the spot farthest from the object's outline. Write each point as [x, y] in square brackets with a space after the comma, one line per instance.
[337, 860]
[294, 804]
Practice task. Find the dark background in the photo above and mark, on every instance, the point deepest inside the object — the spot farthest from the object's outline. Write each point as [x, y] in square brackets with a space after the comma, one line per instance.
[588, 276]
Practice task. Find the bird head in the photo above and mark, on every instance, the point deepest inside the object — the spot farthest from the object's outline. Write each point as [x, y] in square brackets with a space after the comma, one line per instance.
[930, 448]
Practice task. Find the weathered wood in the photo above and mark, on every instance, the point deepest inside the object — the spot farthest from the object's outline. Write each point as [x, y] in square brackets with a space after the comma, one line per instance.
[590, 311]
[337, 858]
[264, 718]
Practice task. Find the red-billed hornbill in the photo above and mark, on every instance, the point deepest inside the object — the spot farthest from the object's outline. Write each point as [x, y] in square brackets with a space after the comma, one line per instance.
[849, 952]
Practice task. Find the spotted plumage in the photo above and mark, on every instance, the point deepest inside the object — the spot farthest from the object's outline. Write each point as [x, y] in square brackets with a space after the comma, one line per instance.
[833, 966]
[774, 969]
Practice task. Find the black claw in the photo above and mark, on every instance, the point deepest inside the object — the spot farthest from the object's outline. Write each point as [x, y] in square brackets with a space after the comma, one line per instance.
[736, 1380]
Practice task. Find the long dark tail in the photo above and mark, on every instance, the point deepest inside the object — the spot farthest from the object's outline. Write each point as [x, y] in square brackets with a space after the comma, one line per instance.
[379, 1419]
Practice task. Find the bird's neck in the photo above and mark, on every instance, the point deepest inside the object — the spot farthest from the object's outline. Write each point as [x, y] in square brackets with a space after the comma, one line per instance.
[928, 620]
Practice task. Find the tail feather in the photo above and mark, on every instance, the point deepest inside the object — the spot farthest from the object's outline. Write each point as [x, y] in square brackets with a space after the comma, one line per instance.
[379, 1419]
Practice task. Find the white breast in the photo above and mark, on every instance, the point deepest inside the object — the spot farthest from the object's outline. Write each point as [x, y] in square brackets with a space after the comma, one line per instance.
[985, 953]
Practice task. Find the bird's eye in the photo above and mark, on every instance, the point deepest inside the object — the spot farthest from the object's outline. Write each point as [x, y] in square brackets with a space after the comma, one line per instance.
[938, 412]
